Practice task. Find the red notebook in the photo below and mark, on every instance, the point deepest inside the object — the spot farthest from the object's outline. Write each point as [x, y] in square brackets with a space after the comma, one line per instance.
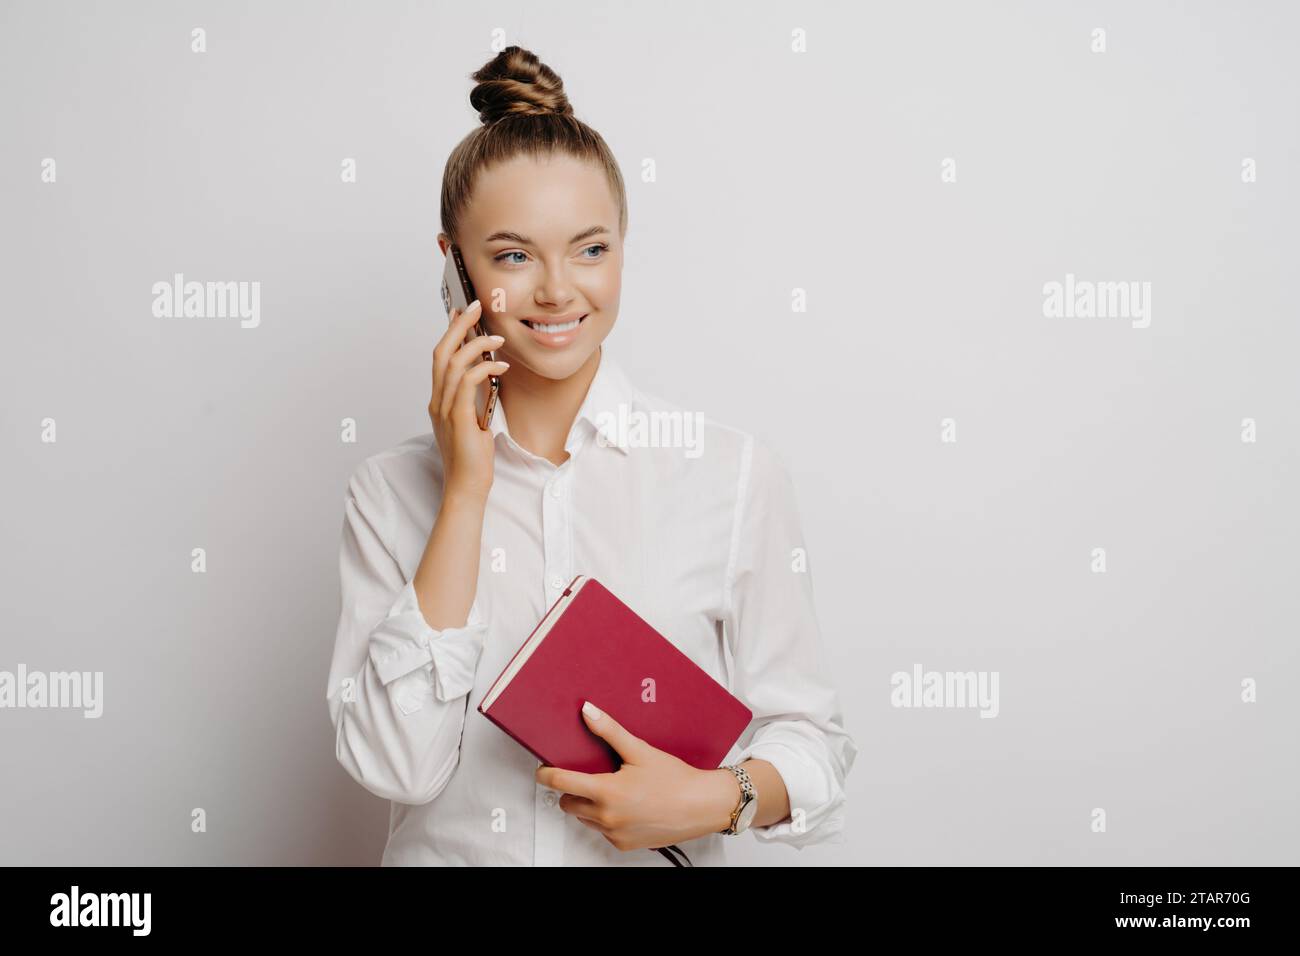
[592, 646]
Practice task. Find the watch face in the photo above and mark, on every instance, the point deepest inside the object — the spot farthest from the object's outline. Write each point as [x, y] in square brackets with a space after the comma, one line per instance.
[746, 816]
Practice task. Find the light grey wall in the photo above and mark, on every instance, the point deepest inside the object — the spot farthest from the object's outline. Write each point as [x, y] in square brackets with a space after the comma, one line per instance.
[776, 170]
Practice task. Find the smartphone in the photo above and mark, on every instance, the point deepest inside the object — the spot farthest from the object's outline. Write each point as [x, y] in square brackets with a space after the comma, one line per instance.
[458, 293]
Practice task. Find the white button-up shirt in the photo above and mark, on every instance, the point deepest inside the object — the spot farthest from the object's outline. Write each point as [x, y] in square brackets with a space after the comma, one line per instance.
[695, 530]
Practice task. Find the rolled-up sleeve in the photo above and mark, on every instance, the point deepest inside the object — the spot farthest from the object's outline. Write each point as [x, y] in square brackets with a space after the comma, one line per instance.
[398, 689]
[411, 656]
[779, 668]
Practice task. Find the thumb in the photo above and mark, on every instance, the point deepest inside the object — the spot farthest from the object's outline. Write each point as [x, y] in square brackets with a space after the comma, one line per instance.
[625, 743]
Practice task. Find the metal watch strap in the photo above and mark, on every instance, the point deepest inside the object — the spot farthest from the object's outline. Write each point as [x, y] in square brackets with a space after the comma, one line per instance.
[746, 795]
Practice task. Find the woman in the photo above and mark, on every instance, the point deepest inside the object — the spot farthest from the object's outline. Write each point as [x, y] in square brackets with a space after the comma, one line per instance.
[454, 548]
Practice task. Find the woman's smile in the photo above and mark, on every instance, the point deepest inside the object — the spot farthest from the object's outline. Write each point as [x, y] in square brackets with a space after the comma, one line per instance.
[552, 333]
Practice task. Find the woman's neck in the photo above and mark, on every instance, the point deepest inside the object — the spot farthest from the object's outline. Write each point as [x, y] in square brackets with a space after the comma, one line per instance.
[540, 411]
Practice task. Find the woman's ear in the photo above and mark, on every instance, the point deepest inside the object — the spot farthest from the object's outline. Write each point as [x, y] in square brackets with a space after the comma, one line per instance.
[444, 243]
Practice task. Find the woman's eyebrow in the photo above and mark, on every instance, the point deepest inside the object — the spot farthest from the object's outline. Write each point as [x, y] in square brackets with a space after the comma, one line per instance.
[524, 240]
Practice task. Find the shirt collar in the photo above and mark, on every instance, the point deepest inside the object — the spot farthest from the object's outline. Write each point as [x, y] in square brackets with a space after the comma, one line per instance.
[609, 390]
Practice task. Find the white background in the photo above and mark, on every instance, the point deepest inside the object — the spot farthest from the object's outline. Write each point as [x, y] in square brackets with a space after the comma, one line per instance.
[776, 170]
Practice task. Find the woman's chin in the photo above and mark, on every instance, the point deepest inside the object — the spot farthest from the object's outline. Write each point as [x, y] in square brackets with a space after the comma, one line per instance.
[558, 365]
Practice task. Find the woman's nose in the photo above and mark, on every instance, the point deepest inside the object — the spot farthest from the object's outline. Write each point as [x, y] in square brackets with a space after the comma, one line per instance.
[556, 288]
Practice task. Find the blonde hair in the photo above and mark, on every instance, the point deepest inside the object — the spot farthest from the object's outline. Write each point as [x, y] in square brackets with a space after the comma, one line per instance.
[523, 109]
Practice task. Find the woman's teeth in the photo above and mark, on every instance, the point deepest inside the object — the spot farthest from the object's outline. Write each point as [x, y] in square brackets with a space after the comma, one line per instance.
[553, 329]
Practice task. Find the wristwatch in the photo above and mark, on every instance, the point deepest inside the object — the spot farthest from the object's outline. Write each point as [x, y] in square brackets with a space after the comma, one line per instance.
[743, 815]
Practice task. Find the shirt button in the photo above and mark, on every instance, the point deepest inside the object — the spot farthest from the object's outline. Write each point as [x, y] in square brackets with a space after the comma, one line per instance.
[557, 583]
[549, 798]
[556, 491]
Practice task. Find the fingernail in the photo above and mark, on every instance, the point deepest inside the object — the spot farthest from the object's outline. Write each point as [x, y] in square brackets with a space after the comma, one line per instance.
[471, 305]
[590, 710]
[497, 338]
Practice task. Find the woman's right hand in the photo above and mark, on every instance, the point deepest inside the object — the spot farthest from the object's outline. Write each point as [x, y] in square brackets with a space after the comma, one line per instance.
[467, 450]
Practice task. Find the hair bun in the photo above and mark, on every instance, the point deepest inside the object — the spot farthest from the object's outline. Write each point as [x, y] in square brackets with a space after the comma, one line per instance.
[516, 82]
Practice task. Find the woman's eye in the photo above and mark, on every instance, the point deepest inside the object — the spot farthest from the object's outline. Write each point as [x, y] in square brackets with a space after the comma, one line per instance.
[599, 246]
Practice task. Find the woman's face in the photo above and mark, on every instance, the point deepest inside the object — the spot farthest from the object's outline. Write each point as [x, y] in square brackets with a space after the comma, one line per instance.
[540, 241]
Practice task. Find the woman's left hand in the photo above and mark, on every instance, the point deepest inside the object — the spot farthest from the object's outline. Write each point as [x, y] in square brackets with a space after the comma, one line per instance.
[653, 800]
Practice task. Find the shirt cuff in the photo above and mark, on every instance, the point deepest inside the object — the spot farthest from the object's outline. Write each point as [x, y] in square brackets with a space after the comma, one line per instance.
[404, 644]
[815, 816]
